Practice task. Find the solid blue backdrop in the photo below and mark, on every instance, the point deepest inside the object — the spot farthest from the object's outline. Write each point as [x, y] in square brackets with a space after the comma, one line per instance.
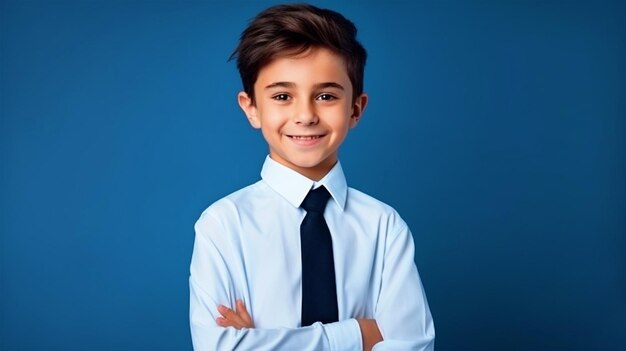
[495, 128]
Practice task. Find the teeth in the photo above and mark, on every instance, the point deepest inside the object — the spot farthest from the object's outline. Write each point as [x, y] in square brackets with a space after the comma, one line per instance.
[299, 137]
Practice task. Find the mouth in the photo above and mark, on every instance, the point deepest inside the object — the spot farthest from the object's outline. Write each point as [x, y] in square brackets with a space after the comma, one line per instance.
[305, 137]
[306, 140]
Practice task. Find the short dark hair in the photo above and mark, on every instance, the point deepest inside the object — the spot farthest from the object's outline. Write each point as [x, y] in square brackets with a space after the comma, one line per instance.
[285, 30]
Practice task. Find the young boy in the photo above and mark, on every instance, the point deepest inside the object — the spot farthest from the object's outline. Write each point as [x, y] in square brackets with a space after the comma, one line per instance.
[298, 260]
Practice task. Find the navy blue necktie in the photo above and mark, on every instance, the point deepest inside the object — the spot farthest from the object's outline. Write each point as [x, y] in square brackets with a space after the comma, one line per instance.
[319, 290]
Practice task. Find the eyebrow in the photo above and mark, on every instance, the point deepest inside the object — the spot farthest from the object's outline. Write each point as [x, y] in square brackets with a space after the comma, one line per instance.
[316, 86]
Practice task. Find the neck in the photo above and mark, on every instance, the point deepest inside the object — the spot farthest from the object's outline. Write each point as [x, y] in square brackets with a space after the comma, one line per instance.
[315, 173]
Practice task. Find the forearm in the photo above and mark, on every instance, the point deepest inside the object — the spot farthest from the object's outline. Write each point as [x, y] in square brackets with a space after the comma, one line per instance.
[207, 335]
[338, 336]
[239, 318]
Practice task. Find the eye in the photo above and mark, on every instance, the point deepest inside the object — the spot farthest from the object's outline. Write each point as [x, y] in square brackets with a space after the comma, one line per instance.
[326, 97]
[281, 97]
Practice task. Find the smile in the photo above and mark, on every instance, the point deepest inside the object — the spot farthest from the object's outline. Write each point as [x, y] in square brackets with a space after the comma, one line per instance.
[305, 137]
[306, 140]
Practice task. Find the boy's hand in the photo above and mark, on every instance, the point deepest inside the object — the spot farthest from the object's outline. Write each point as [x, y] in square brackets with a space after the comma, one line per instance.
[370, 332]
[240, 318]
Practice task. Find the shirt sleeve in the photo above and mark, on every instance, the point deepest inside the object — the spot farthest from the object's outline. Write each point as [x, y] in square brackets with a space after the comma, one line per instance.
[211, 283]
[402, 312]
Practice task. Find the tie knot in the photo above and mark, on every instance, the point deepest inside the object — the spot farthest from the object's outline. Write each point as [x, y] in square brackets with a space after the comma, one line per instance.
[316, 200]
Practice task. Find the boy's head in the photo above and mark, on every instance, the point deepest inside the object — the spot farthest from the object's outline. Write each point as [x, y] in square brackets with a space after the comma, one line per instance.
[289, 30]
[302, 71]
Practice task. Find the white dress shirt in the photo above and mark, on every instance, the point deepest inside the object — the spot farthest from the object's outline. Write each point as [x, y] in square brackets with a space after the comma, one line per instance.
[247, 247]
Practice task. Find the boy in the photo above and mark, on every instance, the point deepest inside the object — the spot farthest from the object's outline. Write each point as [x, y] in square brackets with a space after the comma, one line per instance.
[298, 260]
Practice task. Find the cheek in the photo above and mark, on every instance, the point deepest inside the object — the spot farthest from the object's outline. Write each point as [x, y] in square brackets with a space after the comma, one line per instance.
[340, 131]
[275, 114]
[272, 124]
[342, 120]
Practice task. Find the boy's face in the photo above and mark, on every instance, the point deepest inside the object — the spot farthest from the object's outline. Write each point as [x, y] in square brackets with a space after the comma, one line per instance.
[304, 109]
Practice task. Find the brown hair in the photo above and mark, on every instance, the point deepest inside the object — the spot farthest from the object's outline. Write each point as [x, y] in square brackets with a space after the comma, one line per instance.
[285, 30]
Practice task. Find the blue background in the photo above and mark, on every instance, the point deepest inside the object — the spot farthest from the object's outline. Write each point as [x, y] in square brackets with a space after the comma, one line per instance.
[496, 128]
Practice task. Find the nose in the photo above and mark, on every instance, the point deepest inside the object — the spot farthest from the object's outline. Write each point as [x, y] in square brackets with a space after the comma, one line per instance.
[305, 114]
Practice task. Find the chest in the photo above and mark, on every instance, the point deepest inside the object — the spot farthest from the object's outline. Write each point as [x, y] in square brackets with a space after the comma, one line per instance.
[271, 270]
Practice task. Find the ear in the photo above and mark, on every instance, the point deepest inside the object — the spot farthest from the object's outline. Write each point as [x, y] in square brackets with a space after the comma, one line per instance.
[357, 109]
[248, 107]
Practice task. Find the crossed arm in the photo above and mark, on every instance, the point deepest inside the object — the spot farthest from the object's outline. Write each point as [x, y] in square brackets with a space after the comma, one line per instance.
[239, 318]
[401, 313]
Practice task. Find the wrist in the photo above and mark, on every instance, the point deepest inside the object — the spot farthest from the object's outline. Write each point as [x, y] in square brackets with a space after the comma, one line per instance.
[370, 333]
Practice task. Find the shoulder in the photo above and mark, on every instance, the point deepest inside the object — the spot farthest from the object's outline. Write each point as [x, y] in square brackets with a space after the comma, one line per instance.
[226, 211]
[371, 209]
[359, 200]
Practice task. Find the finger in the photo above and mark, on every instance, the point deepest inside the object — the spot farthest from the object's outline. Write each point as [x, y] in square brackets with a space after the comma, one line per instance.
[243, 313]
[223, 322]
[231, 316]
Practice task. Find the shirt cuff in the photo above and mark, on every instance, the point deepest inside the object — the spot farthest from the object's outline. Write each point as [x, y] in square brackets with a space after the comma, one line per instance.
[344, 335]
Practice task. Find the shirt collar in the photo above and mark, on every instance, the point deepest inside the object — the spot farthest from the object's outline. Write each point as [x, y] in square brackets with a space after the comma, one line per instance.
[294, 187]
